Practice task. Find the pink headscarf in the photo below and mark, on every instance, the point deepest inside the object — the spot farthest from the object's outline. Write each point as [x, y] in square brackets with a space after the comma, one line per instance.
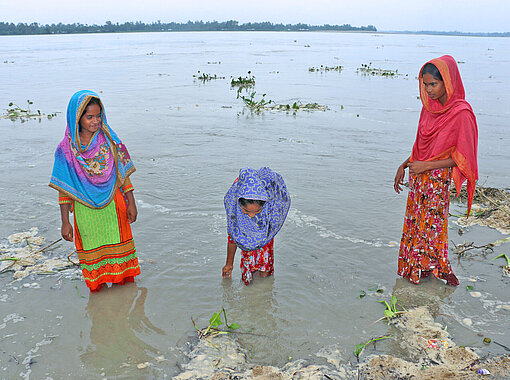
[449, 130]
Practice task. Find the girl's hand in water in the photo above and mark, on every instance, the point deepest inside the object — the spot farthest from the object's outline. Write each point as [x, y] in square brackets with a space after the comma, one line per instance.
[399, 179]
[67, 231]
[227, 271]
[418, 167]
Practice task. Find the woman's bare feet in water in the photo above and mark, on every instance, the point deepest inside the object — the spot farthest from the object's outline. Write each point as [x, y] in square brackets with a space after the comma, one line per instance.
[451, 279]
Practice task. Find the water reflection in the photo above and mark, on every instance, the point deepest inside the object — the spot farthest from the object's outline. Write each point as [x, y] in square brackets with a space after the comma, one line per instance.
[118, 325]
[254, 308]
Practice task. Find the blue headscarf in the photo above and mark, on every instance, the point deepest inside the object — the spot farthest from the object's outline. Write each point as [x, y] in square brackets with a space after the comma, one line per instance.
[264, 184]
[89, 174]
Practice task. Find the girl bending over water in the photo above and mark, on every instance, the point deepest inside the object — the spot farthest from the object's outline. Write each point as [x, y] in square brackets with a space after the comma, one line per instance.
[257, 204]
[445, 149]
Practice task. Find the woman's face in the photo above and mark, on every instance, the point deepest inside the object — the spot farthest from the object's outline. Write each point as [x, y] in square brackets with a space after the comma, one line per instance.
[91, 119]
[251, 209]
[435, 88]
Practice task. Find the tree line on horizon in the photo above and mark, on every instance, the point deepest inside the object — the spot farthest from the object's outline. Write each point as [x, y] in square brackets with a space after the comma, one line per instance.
[109, 27]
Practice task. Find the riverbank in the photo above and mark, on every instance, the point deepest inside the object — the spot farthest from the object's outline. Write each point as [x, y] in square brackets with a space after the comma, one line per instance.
[430, 351]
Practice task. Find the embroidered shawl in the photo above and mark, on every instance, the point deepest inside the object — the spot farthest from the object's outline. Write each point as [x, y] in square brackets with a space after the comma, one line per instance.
[449, 130]
[264, 184]
[89, 174]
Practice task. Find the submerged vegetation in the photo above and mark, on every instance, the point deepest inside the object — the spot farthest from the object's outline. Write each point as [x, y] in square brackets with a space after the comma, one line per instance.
[365, 69]
[323, 68]
[15, 112]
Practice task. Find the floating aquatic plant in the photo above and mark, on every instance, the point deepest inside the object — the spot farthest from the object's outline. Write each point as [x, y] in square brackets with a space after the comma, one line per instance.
[247, 81]
[263, 104]
[298, 106]
[323, 68]
[375, 289]
[203, 77]
[365, 69]
[15, 112]
[253, 104]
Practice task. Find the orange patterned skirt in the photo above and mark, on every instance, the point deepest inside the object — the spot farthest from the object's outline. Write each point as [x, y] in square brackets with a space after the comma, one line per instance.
[105, 244]
[424, 244]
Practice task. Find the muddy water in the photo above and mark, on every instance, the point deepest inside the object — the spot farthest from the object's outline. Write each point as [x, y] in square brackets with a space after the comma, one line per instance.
[188, 140]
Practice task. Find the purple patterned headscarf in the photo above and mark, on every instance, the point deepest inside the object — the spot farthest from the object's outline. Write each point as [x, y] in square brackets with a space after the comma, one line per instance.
[89, 174]
[264, 184]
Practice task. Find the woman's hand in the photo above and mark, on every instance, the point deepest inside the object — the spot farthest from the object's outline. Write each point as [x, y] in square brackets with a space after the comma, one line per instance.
[67, 231]
[399, 179]
[418, 167]
[132, 211]
[227, 270]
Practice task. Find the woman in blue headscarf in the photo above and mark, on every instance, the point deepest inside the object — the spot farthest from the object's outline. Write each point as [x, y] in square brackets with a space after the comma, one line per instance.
[257, 204]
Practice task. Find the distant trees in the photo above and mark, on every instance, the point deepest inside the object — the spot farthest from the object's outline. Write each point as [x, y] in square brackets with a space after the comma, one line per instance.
[109, 27]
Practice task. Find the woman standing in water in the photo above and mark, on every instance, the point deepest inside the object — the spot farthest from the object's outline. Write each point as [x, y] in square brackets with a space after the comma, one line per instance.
[257, 204]
[91, 173]
[445, 149]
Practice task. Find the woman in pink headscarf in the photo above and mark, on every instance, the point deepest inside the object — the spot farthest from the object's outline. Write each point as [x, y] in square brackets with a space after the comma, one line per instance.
[445, 149]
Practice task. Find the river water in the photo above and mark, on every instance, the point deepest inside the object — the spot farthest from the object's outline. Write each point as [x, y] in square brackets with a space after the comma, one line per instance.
[188, 140]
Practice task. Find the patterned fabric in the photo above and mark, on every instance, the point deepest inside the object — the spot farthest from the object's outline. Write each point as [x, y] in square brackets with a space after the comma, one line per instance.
[449, 130]
[253, 233]
[105, 244]
[424, 244]
[259, 260]
[89, 174]
[64, 199]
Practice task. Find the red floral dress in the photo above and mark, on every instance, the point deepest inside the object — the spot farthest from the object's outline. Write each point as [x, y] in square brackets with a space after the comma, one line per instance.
[424, 244]
[259, 260]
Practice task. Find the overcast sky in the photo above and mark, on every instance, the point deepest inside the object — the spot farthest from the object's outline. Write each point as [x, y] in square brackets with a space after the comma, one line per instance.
[440, 15]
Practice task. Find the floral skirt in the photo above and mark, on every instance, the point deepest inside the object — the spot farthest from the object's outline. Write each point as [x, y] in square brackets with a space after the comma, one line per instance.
[424, 244]
[259, 260]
